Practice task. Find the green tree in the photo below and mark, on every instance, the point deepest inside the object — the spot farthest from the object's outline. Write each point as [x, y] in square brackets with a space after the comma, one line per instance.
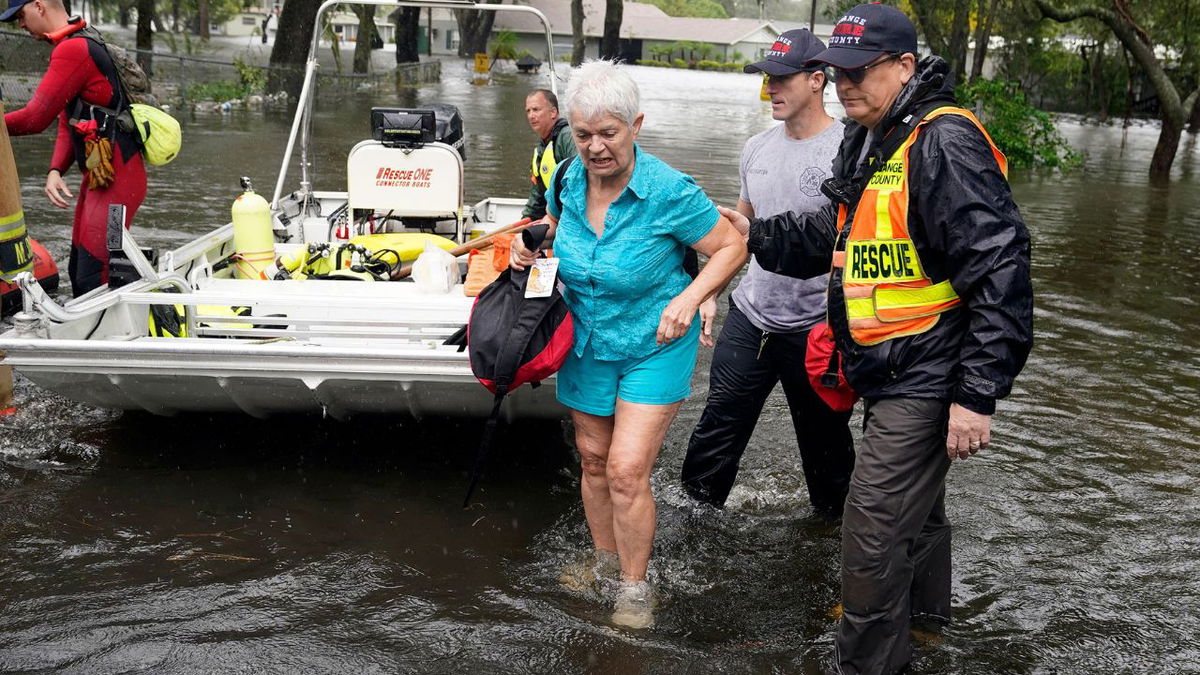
[1027, 136]
[1174, 106]
[504, 46]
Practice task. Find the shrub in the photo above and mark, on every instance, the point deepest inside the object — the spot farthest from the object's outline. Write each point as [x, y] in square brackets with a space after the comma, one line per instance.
[1024, 134]
[680, 63]
[250, 80]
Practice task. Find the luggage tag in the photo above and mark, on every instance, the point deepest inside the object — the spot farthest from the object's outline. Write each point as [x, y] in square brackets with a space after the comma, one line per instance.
[541, 278]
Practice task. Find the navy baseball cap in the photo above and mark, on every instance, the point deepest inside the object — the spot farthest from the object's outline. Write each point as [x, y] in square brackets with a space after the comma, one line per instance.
[14, 6]
[789, 53]
[865, 33]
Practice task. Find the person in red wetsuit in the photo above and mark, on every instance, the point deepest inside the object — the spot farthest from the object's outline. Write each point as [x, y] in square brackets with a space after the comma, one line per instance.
[81, 85]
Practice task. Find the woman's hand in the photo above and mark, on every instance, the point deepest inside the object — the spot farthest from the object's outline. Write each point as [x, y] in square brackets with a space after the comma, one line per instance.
[56, 189]
[676, 319]
[708, 313]
[520, 257]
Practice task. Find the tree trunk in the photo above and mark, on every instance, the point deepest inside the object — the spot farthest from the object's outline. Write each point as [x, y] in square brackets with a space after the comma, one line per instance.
[408, 25]
[1165, 150]
[175, 16]
[1173, 110]
[366, 35]
[960, 31]
[202, 18]
[1194, 118]
[578, 43]
[610, 42]
[475, 27]
[928, 21]
[983, 33]
[123, 14]
[145, 36]
[290, 51]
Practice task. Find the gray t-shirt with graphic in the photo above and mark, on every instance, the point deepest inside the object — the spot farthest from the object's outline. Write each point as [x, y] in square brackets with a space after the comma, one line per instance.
[782, 174]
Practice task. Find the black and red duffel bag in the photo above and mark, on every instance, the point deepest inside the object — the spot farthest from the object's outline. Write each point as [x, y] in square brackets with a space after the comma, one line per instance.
[514, 340]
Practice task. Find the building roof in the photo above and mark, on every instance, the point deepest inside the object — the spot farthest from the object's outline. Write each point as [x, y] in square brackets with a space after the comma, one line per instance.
[640, 21]
[713, 31]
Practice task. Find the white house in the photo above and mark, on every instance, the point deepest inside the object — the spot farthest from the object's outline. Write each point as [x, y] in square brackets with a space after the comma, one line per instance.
[642, 26]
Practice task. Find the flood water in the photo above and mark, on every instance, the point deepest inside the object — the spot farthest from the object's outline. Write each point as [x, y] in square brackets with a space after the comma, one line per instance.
[130, 543]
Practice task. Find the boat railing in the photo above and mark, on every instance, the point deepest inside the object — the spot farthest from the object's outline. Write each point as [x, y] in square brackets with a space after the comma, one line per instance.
[36, 301]
[307, 317]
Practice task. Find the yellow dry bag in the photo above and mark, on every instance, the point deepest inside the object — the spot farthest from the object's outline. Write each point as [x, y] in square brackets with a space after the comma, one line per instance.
[158, 132]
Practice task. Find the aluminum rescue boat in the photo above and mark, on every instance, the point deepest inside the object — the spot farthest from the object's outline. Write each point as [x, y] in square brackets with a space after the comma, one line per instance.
[208, 327]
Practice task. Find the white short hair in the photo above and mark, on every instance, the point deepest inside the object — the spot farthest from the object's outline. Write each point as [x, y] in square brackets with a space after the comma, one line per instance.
[598, 88]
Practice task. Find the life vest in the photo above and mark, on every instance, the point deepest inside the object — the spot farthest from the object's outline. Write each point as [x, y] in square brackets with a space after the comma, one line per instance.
[544, 161]
[887, 292]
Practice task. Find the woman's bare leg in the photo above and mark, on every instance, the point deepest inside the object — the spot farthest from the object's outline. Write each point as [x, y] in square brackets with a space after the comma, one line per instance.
[634, 442]
[593, 435]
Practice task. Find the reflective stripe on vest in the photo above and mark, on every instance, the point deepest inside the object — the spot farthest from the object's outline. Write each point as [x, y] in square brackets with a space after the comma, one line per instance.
[888, 294]
[543, 164]
[16, 255]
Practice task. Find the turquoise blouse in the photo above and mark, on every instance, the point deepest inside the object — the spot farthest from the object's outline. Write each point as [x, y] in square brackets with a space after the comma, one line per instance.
[618, 284]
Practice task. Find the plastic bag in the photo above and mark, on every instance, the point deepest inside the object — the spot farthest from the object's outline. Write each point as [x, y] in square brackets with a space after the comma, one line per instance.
[435, 270]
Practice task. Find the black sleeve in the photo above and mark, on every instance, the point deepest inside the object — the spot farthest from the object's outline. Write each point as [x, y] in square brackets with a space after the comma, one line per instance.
[968, 212]
[796, 244]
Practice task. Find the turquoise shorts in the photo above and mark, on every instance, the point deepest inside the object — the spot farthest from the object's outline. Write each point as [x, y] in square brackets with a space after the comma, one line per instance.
[660, 378]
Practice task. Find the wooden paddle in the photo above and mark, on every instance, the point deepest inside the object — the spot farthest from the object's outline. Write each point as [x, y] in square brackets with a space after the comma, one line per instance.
[10, 211]
[478, 242]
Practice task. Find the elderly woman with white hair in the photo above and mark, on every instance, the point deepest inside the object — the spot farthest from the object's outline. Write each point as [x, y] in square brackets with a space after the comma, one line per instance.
[621, 225]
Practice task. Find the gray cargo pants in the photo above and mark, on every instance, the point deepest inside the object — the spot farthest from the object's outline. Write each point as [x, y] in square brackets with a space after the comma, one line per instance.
[895, 535]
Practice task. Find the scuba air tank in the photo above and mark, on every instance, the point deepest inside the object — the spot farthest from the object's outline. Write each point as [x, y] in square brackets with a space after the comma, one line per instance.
[253, 238]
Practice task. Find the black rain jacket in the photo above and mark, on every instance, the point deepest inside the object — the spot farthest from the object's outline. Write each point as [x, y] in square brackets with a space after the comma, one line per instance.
[965, 227]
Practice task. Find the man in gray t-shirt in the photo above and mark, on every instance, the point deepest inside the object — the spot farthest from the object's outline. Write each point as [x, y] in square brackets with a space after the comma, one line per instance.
[765, 335]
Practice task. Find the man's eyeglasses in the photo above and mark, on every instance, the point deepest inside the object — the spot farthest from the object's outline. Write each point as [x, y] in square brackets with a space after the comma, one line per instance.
[857, 75]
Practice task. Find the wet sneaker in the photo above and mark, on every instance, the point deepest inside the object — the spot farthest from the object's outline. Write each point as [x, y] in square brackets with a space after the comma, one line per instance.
[635, 605]
[590, 572]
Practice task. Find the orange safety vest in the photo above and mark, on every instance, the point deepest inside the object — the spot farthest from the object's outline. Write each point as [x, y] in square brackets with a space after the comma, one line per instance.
[887, 292]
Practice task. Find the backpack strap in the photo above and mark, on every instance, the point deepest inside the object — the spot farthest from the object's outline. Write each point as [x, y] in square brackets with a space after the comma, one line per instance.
[508, 362]
[558, 180]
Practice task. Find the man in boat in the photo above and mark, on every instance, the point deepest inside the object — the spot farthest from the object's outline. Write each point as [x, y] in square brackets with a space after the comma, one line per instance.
[82, 89]
[931, 305]
[555, 145]
[765, 336]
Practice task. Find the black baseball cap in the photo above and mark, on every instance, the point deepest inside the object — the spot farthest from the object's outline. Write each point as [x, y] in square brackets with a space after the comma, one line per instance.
[865, 33]
[789, 53]
[14, 6]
